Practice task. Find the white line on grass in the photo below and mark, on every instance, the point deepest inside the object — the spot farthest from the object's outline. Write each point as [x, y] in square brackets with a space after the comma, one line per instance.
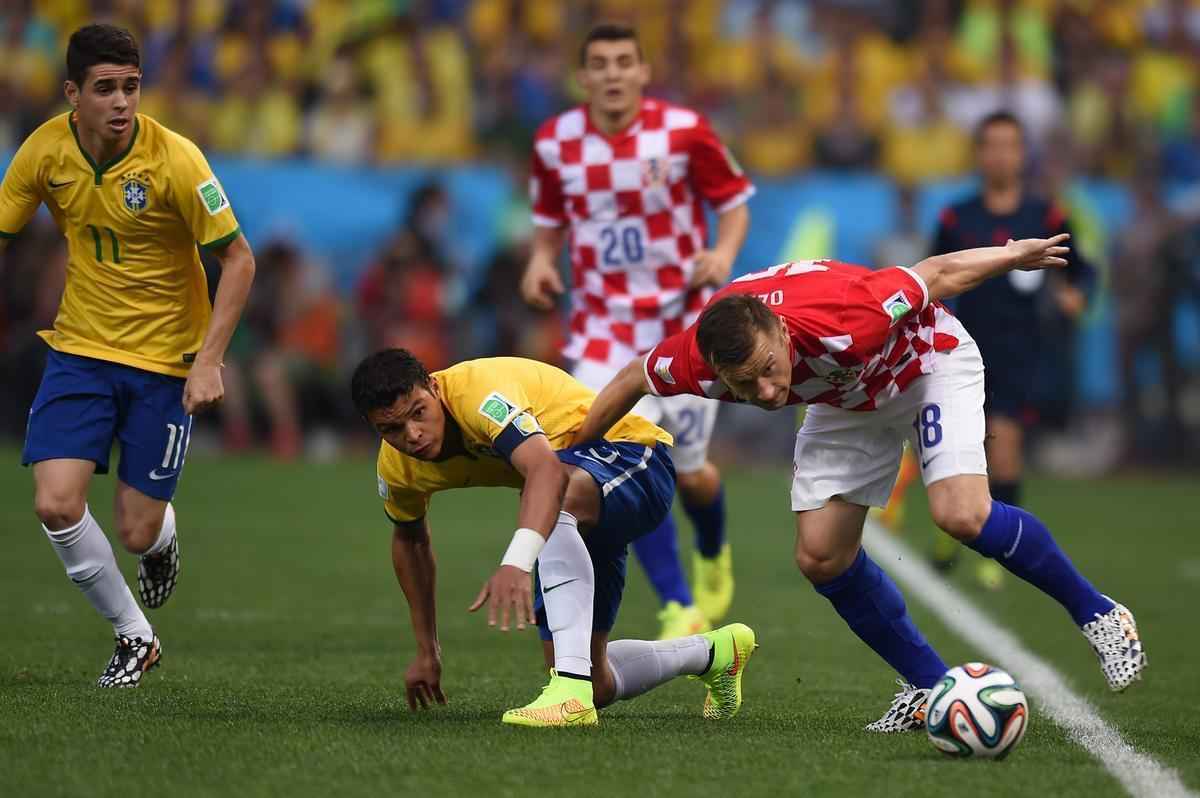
[1140, 774]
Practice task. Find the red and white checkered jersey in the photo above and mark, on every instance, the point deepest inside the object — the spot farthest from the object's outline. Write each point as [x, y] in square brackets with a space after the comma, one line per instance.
[633, 202]
[858, 337]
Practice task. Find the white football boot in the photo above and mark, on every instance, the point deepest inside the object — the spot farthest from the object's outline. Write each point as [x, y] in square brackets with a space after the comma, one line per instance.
[907, 712]
[1114, 638]
[131, 659]
[158, 574]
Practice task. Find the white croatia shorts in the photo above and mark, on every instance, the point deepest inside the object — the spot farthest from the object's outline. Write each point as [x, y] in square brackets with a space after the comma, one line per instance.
[856, 454]
[689, 419]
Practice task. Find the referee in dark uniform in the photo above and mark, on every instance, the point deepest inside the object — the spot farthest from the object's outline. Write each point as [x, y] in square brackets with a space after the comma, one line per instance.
[1003, 315]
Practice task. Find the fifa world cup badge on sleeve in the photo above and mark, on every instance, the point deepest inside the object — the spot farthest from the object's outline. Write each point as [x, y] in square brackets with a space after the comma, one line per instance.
[212, 196]
[383, 487]
[896, 306]
[497, 409]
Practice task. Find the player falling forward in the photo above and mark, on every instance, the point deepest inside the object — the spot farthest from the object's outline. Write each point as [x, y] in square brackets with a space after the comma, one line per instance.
[878, 358]
[626, 176]
[497, 422]
[136, 348]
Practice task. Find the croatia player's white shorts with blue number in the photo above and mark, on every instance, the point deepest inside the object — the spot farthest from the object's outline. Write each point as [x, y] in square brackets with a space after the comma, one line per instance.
[856, 454]
[689, 419]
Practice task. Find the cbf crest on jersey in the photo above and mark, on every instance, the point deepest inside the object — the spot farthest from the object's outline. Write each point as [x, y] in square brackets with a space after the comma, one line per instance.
[135, 193]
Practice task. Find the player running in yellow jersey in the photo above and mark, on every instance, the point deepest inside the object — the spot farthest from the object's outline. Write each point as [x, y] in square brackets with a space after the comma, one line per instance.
[509, 422]
[136, 348]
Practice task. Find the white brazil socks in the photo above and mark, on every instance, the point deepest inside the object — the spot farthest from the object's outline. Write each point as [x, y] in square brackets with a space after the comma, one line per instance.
[86, 554]
[166, 534]
[641, 665]
[568, 588]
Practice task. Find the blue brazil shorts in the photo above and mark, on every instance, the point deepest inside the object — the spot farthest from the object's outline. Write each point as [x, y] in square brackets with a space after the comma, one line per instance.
[84, 404]
[637, 486]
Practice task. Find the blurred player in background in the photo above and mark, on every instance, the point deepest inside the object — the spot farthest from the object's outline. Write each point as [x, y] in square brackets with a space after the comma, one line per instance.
[136, 348]
[510, 422]
[1005, 316]
[878, 359]
[626, 177]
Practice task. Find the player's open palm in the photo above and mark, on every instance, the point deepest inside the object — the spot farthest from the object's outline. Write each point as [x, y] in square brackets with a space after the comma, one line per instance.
[203, 389]
[507, 593]
[1032, 254]
[423, 682]
[541, 284]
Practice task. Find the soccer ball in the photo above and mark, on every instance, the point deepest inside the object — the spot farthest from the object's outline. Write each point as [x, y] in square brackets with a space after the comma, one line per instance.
[976, 710]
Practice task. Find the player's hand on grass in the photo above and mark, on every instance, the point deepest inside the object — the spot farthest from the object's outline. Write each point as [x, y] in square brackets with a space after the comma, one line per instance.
[1032, 254]
[203, 388]
[541, 284]
[711, 267]
[507, 592]
[423, 681]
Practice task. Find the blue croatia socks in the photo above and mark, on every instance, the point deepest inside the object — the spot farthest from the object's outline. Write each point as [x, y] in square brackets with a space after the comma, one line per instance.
[709, 522]
[658, 553]
[870, 603]
[1022, 544]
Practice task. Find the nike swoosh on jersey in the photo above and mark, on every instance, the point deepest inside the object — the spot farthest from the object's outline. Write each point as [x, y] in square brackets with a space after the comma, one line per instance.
[154, 475]
[560, 584]
[60, 185]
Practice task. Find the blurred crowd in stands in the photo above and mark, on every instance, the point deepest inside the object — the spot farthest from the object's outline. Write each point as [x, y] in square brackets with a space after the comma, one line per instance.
[895, 85]
[1106, 88]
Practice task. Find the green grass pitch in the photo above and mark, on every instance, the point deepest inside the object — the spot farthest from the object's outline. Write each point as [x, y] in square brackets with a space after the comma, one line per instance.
[287, 639]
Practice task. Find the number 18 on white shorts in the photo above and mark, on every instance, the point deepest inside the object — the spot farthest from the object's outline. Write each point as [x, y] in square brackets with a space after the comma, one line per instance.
[856, 454]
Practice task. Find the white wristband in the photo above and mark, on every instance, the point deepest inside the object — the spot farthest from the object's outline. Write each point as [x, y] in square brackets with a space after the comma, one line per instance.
[524, 549]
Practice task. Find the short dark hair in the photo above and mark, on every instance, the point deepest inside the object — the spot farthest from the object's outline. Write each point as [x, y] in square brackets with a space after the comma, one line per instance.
[729, 328]
[609, 32]
[1000, 117]
[100, 44]
[384, 377]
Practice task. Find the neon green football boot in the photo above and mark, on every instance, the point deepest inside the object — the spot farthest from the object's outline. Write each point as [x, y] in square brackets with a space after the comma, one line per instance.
[713, 583]
[563, 702]
[732, 646]
[990, 574]
[680, 621]
[945, 551]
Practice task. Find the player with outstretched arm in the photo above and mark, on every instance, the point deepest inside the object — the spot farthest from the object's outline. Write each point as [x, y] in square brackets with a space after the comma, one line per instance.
[136, 347]
[624, 179]
[878, 359]
[509, 422]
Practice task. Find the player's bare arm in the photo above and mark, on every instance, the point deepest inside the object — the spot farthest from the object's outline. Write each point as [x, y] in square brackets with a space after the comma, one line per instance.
[416, 571]
[713, 266]
[204, 388]
[957, 272]
[509, 590]
[541, 284]
[615, 401]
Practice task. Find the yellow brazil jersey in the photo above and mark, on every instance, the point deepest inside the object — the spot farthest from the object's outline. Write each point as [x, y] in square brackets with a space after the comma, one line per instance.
[497, 402]
[136, 292]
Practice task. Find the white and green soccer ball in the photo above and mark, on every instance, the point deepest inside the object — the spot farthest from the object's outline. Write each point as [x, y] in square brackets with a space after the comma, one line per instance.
[976, 710]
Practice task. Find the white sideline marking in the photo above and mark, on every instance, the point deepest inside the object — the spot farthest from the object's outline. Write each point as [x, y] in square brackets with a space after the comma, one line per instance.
[1140, 774]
